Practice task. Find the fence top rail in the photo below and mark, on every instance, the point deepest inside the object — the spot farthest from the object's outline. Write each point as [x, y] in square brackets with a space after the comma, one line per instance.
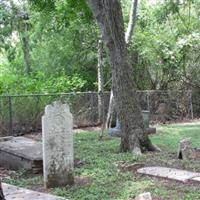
[46, 94]
[89, 92]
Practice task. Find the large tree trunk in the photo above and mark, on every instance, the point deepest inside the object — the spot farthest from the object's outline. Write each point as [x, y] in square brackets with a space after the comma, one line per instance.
[108, 14]
[128, 35]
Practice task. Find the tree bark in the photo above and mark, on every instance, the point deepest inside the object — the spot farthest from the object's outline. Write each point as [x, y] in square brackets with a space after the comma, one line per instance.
[109, 17]
[128, 35]
[110, 111]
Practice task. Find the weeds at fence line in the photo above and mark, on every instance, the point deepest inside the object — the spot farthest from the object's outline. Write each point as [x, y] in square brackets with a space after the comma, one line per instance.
[21, 114]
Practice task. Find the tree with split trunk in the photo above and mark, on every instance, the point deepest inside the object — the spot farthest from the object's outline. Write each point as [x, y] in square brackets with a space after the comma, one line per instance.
[128, 35]
[108, 14]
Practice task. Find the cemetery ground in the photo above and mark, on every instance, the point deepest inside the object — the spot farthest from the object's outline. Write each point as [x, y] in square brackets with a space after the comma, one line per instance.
[102, 172]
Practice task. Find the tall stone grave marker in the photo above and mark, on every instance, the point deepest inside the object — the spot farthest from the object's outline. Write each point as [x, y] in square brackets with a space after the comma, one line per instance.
[58, 156]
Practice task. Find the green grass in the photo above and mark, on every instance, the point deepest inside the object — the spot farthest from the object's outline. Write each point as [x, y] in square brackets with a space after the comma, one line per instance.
[100, 179]
[169, 136]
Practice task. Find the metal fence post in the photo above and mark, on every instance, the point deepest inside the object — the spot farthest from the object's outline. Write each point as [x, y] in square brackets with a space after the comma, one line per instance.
[10, 115]
[191, 106]
[148, 103]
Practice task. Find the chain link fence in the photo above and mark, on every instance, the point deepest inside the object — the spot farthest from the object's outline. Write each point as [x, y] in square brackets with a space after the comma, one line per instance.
[167, 105]
[21, 114]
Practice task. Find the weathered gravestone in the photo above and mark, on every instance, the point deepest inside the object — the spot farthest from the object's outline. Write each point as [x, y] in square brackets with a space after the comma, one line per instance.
[58, 158]
[185, 151]
[144, 196]
[146, 121]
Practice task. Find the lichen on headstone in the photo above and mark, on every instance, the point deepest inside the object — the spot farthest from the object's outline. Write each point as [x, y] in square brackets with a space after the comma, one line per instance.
[58, 158]
[185, 150]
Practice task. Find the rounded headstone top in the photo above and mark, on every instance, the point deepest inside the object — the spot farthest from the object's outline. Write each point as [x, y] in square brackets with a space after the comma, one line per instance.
[145, 111]
[57, 107]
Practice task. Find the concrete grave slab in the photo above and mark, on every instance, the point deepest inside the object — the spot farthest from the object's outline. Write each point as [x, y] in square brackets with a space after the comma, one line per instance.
[15, 193]
[21, 153]
[170, 173]
[196, 179]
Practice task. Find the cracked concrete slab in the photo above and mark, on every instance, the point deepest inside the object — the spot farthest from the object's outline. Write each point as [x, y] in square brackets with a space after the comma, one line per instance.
[21, 153]
[15, 193]
[23, 147]
[196, 179]
[170, 173]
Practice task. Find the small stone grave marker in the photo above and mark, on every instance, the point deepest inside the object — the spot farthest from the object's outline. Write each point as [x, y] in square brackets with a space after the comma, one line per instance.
[185, 151]
[144, 196]
[58, 158]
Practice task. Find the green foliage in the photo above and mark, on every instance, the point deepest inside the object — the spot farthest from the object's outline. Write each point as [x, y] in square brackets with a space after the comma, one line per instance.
[63, 40]
[161, 62]
[40, 83]
[62, 43]
[170, 135]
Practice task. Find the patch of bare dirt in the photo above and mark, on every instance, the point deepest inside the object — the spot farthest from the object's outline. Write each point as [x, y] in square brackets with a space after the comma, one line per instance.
[86, 129]
[82, 180]
[124, 166]
[4, 173]
[39, 188]
[78, 181]
[37, 136]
